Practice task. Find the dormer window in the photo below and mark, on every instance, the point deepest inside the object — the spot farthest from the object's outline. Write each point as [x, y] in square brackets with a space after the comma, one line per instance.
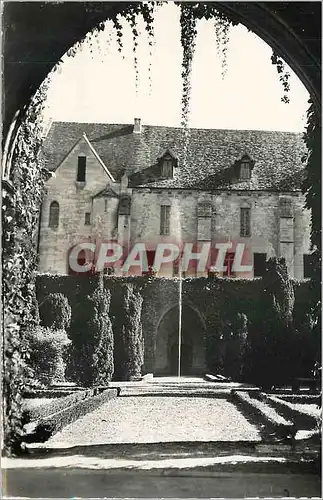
[245, 168]
[167, 161]
[167, 168]
[242, 168]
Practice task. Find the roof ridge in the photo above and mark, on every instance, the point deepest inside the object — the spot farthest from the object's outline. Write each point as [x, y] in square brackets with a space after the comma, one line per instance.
[170, 127]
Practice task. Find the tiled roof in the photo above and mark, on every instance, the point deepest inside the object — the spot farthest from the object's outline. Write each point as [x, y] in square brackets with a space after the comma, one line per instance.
[207, 163]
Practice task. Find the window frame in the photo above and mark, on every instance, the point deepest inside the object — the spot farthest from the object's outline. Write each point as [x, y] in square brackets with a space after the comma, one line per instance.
[245, 167]
[245, 233]
[53, 219]
[164, 229]
[167, 168]
[204, 209]
[87, 219]
[285, 207]
[81, 164]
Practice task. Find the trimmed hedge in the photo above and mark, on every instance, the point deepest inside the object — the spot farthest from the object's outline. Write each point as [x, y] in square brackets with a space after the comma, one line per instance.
[43, 429]
[218, 301]
[58, 404]
[99, 348]
[300, 417]
[272, 424]
[45, 359]
[129, 352]
[55, 312]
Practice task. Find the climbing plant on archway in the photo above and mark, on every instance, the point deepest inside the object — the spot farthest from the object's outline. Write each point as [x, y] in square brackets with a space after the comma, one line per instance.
[25, 186]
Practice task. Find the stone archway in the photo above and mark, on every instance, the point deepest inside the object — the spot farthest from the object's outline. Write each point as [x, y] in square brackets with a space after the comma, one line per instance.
[192, 343]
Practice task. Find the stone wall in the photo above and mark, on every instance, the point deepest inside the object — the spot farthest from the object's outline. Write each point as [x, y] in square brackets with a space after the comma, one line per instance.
[207, 303]
[75, 199]
[225, 221]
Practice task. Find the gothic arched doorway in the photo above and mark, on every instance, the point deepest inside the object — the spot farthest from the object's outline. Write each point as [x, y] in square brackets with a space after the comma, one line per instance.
[192, 354]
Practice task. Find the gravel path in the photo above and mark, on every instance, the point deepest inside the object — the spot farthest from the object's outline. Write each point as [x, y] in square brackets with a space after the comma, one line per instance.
[158, 419]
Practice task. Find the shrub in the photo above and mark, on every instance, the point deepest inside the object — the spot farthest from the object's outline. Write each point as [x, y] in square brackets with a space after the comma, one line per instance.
[128, 335]
[274, 349]
[46, 350]
[100, 330]
[235, 334]
[55, 312]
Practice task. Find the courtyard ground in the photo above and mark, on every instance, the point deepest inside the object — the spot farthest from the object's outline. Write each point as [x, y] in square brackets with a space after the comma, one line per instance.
[155, 419]
[167, 438]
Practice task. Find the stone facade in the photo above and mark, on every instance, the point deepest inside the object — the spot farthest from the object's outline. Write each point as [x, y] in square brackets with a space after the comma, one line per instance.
[121, 200]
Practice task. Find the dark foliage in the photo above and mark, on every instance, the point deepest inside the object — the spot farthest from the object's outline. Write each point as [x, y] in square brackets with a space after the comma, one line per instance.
[55, 312]
[312, 188]
[21, 204]
[100, 331]
[129, 342]
[271, 357]
[46, 354]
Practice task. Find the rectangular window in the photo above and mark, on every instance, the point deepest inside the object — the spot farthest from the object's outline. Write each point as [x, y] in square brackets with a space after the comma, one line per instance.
[285, 207]
[105, 205]
[81, 169]
[167, 170]
[245, 222]
[259, 264]
[308, 265]
[204, 209]
[165, 219]
[87, 220]
[245, 171]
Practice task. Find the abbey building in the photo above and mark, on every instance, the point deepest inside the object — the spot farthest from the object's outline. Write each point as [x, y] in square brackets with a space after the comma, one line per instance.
[146, 184]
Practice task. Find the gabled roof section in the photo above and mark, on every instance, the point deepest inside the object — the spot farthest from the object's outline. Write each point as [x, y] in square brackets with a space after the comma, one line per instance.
[166, 152]
[98, 157]
[107, 192]
[208, 161]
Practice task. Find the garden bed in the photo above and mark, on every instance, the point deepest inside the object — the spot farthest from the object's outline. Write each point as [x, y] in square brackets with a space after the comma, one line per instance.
[299, 398]
[54, 403]
[45, 420]
[304, 415]
[272, 425]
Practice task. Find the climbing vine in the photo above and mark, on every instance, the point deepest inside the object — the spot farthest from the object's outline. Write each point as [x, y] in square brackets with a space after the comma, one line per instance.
[222, 27]
[284, 75]
[22, 198]
[312, 190]
[190, 14]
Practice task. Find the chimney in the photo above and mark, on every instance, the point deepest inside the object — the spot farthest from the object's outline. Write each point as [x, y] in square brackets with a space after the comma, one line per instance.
[137, 126]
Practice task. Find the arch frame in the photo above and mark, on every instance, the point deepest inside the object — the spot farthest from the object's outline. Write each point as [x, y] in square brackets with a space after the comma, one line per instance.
[167, 343]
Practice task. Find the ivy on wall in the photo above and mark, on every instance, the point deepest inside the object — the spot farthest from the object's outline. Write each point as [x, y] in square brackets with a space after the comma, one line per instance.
[312, 190]
[22, 198]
